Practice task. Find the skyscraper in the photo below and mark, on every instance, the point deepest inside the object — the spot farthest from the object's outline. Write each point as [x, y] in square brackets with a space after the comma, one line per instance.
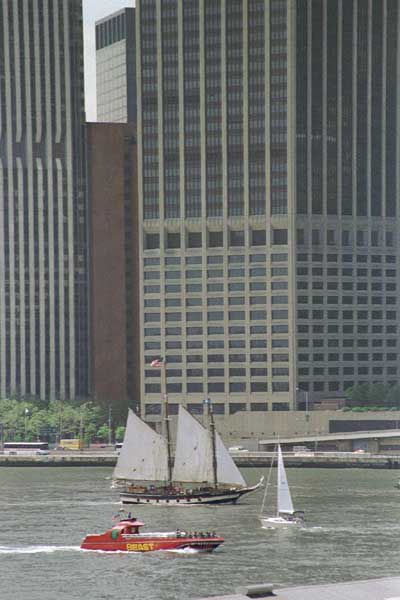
[268, 145]
[112, 182]
[43, 264]
[116, 67]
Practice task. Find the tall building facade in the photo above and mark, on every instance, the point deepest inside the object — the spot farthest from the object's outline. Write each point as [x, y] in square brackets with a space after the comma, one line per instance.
[269, 187]
[43, 263]
[114, 307]
[116, 67]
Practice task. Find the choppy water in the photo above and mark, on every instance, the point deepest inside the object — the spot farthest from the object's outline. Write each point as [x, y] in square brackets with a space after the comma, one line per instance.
[353, 532]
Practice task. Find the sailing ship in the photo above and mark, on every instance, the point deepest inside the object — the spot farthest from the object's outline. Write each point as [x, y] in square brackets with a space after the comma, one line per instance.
[285, 516]
[202, 471]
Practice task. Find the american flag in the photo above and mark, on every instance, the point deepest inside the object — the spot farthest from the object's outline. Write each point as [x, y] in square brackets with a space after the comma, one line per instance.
[158, 362]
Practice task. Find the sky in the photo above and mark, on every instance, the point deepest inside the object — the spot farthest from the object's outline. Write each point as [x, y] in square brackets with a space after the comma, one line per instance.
[92, 11]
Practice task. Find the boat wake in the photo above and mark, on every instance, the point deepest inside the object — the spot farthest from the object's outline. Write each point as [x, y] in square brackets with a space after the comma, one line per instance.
[37, 549]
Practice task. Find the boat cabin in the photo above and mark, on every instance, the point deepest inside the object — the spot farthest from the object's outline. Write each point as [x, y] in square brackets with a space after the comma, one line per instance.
[128, 527]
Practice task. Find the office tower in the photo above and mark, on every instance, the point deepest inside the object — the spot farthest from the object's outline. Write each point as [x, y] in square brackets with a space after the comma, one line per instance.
[116, 67]
[269, 184]
[43, 264]
[114, 308]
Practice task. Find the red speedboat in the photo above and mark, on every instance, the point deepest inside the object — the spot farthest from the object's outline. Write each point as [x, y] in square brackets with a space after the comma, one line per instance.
[126, 537]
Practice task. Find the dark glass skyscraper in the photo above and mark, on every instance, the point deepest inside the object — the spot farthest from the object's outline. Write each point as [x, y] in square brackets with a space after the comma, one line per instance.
[269, 179]
[43, 245]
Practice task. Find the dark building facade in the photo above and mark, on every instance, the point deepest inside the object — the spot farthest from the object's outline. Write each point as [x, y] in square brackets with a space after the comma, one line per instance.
[116, 67]
[268, 146]
[43, 241]
[112, 183]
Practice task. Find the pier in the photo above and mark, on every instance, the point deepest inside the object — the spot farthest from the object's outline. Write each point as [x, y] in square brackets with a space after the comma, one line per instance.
[387, 588]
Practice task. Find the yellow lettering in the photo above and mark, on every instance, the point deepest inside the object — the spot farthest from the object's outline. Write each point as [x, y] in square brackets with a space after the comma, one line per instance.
[145, 547]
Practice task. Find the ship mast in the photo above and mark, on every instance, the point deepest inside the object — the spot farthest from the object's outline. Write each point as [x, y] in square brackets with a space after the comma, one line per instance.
[213, 444]
[166, 421]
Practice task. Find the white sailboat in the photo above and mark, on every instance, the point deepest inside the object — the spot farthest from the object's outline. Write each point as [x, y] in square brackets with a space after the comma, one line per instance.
[285, 516]
[203, 472]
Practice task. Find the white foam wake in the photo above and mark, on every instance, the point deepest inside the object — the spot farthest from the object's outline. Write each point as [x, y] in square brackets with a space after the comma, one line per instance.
[37, 549]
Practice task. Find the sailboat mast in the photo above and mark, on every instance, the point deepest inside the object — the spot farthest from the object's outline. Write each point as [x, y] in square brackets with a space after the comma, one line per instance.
[166, 421]
[213, 442]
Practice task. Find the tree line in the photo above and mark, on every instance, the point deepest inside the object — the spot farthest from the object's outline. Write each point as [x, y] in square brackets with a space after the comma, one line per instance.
[373, 396]
[32, 420]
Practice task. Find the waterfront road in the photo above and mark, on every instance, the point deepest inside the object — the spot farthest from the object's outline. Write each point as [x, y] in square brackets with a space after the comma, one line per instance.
[107, 458]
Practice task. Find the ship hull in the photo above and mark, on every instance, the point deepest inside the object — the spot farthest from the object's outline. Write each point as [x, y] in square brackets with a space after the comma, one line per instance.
[198, 499]
[149, 543]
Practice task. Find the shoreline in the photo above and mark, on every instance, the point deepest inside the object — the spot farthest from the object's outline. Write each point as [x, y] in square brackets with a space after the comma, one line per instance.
[326, 460]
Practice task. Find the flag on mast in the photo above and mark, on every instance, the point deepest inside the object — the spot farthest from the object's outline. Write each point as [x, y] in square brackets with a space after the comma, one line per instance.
[158, 362]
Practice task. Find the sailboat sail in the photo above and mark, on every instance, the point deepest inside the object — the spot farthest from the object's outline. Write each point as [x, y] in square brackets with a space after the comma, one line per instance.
[285, 504]
[227, 471]
[193, 456]
[144, 455]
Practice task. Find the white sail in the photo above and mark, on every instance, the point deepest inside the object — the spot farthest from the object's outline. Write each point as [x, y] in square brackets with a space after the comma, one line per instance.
[227, 471]
[285, 504]
[144, 453]
[193, 454]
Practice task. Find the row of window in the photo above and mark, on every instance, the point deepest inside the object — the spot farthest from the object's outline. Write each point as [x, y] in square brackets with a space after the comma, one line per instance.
[218, 301]
[321, 371]
[335, 386]
[154, 261]
[237, 286]
[346, 258]
[348, 272]
[360, 315]
[218, 408]
[361, 237]
[217, 273]
[233, 315]
[347, 357]
[215, 239]
[349, 329]
[216, 387]
[389, 286]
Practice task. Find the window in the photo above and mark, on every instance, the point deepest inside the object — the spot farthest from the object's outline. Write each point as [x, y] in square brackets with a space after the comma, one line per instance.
[152, 275]
[194, 316]
[258, 237]
[237, 386]
[236, 315]
[215, 315]
[360, 237]
[346, 238]
[194, 239]
[235, 407]
[152, 388]
[172, 260]
[300, 238]
[151, 289]
[152, 241]
[215, 287]
[216, 372]
[258, 286]
[194, 387]
[236, 237]
[215, 260]
[236, 259]
[173, 289]
[315, 237]
[215, 239]
[331, 237]
[152, 409]
[217, 386]
[173, 240]
[280, 386]
[194, 372]
[193, 260]
[152, 331]
[258, 386]
[279, 237]
[236, 329]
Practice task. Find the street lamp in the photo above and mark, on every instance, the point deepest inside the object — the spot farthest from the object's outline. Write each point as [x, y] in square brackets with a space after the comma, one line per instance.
[298, 389]
[27, 413]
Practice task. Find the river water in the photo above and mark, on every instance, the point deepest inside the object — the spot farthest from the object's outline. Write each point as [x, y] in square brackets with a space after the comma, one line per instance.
[352, 532]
